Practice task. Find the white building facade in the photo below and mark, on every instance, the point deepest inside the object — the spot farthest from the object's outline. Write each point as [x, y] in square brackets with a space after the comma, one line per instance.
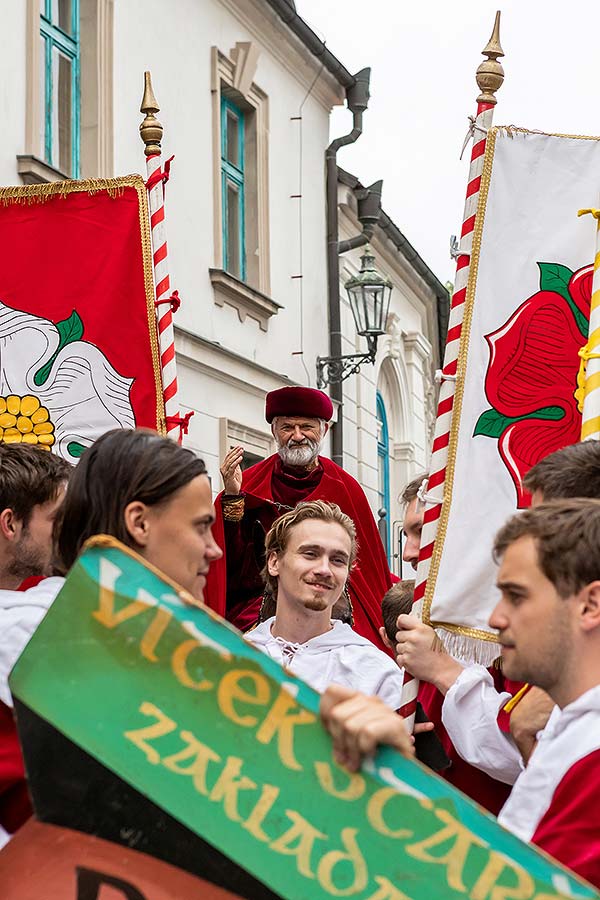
[246, 91]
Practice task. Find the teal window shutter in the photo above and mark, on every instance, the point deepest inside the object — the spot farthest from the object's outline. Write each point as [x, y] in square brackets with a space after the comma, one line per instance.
[383, 467]
[232, 188]
[60, 67]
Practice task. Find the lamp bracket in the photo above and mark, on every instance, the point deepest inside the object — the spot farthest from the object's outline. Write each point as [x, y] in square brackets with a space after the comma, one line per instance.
[335, 369]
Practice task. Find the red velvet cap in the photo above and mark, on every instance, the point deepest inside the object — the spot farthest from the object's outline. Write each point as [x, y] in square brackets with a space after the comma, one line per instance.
[298, 401]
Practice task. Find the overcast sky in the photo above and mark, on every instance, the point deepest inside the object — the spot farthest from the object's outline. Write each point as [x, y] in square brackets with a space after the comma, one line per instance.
[423, 55]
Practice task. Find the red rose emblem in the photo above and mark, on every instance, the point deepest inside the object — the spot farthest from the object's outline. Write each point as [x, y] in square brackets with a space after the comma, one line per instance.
[531, 380]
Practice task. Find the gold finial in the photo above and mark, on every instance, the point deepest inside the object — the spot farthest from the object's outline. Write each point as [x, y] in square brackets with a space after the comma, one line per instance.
[490, 73]
[151, 130]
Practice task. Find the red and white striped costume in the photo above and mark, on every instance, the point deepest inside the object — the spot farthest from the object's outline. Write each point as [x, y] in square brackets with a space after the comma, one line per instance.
[555, 802]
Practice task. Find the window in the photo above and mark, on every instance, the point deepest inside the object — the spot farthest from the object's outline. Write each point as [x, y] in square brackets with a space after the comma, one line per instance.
[241, 269]
[59, 72]
[383, 469]
[232, 188]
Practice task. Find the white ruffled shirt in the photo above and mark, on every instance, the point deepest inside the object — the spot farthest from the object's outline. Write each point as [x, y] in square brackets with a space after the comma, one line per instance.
[570, 735]
[20, 614]
[340, 656]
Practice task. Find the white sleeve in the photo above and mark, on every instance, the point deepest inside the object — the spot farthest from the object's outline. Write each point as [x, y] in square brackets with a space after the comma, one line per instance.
[390, 689]
[469, 715]
[20, 614]
[15, 633]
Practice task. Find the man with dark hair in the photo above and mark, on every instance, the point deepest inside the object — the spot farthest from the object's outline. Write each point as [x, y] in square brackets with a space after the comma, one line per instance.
[548, 622]
[573, 471]
[254, 498]
[32, 487]
[396, 602]
[310, 552]
[491, 726]
[146, 491]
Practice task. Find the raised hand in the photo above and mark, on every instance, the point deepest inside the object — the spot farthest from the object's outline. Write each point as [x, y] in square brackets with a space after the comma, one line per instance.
[231, 471]
[421, 653]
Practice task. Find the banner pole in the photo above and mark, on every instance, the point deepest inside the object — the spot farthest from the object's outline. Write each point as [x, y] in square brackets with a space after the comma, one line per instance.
[151, 132]
[589, 372]
[489, 76]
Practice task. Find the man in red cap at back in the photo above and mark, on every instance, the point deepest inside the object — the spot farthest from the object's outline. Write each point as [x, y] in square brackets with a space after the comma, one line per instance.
[253, 499]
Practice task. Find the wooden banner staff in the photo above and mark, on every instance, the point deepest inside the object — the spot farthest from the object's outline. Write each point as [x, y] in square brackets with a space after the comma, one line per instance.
[489, 76]
[151, 132]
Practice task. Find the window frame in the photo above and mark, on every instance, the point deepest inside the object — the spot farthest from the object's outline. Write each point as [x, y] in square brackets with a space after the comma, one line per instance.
[383, 455]
[69, 45]
[236, 175]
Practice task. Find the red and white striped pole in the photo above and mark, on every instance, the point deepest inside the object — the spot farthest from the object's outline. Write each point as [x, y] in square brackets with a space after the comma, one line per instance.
[490, 76]
[166, 302]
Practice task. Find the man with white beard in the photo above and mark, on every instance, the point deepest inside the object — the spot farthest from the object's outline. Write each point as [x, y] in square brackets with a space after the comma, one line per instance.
[254, 498]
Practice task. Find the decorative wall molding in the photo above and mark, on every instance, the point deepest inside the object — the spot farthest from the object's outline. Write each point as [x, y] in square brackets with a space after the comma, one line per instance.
[416, 347]
[35, 171]
[271, 33]
[245, 299]
[244, 57]
[404, 451]
[394, 331]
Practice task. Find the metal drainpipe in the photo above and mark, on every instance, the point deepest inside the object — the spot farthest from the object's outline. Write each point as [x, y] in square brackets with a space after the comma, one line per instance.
[359, 240]
[357, 98]
[369, 212]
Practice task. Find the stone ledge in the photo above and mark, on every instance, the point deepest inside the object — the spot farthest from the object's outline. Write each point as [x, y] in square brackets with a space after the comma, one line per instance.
[34, 171]
[245, 299]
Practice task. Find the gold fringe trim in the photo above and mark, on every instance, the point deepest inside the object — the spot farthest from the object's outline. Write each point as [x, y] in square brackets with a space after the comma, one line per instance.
[461, 631]
[40, 193]
[512, 131]
[467, 648]
[114, 187]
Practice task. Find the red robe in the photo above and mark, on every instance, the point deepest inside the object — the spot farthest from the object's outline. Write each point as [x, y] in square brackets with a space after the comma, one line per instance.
[570, 828]
[15, 805]
[234, 587]
[555, 802]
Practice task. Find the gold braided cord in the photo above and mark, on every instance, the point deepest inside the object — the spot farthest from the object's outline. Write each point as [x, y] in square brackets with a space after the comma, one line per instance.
[461, 371]
[114, 187]
[516, 698]
[146, 236]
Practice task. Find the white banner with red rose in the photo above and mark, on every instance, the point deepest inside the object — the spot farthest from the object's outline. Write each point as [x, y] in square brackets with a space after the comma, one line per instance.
[526, 318]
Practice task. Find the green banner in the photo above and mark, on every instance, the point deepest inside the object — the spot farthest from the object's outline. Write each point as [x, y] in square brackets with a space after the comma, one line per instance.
[173, 700]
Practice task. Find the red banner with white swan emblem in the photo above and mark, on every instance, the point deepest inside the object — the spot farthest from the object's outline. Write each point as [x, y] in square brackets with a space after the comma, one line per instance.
[78, 341]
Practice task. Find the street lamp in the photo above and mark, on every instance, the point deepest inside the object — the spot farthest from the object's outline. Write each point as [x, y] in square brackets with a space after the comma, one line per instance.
[369, 294]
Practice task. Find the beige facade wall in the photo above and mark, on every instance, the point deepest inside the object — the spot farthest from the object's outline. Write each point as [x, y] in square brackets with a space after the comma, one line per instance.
[236, 342]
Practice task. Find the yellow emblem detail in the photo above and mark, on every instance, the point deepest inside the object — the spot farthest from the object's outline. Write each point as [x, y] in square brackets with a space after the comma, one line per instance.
[25, 420]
